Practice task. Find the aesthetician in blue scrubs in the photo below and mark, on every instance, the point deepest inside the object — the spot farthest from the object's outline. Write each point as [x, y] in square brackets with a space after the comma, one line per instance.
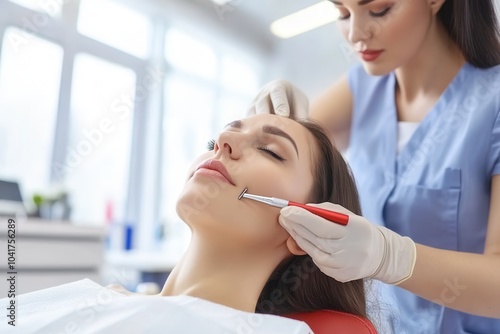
[420, 119]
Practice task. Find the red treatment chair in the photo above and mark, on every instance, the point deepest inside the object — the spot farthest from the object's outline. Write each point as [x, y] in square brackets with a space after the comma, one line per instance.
[335, 322]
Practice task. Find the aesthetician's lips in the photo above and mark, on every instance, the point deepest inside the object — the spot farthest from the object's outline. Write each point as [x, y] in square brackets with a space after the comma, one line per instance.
[370, 55]
[217, 166]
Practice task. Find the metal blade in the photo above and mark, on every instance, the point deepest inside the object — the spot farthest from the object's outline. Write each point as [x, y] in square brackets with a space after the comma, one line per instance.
[263, 199]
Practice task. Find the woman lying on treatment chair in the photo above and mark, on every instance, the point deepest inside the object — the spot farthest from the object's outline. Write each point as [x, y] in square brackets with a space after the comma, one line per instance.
[240, 261]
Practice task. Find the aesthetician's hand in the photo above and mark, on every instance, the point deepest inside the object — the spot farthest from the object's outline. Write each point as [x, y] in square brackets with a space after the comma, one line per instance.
[281, 98]
[358, 250]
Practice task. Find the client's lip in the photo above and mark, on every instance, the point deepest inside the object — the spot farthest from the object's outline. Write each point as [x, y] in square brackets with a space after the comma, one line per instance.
[217, 166]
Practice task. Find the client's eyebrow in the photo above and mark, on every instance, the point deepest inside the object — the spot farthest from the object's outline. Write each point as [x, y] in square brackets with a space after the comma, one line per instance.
[272, 130]
[234, 124]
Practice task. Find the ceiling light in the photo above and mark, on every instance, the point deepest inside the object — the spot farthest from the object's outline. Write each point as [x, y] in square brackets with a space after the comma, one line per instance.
[304, 20]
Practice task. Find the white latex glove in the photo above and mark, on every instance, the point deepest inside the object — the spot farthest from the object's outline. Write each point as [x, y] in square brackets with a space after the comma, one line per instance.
[358, 250]
[281, 98]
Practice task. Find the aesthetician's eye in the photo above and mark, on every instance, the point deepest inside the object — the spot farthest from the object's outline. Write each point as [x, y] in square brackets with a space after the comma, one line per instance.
[211, 144]
[343, 17]
[271, 153]
[343, 14]
[381, 13]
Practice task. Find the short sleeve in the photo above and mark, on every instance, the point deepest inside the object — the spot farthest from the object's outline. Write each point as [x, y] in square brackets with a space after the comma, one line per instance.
[494, 155]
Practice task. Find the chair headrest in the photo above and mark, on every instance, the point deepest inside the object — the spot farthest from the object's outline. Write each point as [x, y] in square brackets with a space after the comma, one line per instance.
[334, 322]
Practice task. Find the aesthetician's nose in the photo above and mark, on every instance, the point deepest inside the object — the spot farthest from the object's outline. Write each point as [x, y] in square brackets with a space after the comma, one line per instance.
[359, 30]
[230, 144]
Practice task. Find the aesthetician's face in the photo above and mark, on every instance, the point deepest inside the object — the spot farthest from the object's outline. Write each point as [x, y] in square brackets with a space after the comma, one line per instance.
[390, 32]
[269, 154]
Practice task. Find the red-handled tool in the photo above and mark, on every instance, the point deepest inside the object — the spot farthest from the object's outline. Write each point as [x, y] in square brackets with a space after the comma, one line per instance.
[336, 217]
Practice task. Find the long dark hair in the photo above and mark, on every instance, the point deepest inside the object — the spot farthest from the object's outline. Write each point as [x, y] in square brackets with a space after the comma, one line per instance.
[473, 25]
[297, 284]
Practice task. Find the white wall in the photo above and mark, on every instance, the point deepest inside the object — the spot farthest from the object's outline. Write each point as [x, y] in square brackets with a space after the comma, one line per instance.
[312, 61]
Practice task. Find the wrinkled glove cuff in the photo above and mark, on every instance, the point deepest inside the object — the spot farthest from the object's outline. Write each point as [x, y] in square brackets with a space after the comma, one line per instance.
[398, 259]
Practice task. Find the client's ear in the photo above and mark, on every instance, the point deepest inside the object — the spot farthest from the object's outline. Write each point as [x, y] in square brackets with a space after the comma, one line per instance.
[293, 247]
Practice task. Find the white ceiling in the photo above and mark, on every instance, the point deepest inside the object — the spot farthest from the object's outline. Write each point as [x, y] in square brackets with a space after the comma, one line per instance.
[244, 18]
[267, 11]
[255, 15]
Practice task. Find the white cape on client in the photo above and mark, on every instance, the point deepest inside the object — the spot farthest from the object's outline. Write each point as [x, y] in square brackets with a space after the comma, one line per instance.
[86, 307]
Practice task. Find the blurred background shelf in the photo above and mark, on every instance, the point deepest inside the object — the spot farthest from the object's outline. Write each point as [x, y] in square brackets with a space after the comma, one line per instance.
[52, 253]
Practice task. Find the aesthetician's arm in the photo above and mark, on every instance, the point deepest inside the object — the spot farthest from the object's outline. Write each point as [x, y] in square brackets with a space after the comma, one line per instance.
[462, 281]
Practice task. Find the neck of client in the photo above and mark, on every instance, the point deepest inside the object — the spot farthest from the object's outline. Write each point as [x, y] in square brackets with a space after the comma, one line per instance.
[223, 272]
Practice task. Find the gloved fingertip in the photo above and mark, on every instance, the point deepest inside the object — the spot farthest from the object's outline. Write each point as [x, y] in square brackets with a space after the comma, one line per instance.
[288, 211]
[283, 223]
[282, 111]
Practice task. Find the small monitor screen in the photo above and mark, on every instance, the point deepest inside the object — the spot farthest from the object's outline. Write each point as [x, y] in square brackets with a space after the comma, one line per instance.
[9, 191]
[11, 200]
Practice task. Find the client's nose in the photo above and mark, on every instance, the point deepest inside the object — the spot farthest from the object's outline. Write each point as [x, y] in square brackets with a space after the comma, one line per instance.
[230, 144]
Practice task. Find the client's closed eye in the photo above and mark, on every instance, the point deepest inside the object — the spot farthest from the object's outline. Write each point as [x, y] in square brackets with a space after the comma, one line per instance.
[211, 145]
[271, 153]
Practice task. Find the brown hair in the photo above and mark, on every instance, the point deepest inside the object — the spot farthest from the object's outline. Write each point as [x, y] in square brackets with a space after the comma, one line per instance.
[473, 26]
[297, 284]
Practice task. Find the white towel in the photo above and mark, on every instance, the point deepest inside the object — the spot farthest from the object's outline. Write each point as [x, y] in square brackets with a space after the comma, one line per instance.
[86, 307]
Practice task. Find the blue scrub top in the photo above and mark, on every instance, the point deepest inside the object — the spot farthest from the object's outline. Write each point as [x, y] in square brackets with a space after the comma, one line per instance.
[437, 190]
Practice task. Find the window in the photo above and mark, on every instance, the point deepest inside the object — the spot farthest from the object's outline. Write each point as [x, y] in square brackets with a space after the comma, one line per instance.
[190, 55]
[116, 25]
[106, 114]
[208, 87]
[50, 7]
[30, 67]
[186, 131]
[238, 76]
[239, 84]
[98, 152]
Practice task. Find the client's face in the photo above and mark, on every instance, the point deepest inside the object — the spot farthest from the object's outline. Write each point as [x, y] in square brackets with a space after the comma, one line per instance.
[272, 156]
